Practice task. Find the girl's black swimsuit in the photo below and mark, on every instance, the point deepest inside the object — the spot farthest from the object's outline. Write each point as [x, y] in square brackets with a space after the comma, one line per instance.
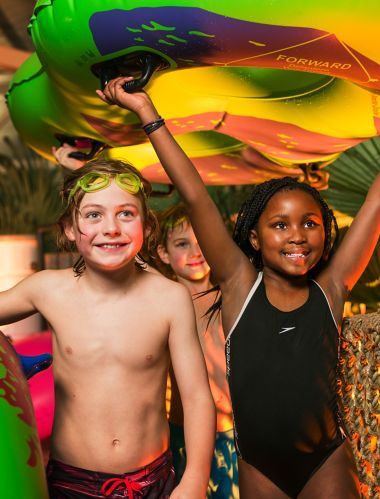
[281, 369]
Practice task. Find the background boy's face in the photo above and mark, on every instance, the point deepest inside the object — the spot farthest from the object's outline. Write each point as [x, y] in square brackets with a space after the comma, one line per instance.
[183, 254]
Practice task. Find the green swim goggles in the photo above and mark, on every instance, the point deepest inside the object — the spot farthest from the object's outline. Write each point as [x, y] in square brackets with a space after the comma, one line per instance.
[95, 181]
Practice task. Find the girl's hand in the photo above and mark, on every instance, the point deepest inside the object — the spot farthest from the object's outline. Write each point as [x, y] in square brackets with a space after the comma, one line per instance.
[137, 102]
[61, 154]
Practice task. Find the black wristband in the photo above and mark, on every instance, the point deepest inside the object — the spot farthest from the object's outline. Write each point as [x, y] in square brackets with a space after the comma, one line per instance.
[153, 125]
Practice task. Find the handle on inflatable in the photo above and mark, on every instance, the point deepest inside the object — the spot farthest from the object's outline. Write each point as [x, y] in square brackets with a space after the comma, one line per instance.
[141, 65]
[82, 142]
[149, 64]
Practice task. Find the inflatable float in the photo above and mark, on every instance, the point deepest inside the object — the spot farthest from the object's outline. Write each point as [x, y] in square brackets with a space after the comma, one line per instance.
[41, 385]
[21, 463]
[251, 90]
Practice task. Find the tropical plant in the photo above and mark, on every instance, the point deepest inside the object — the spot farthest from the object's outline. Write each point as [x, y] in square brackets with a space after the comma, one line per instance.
[351, 175]
[350, 178]
[29, 191]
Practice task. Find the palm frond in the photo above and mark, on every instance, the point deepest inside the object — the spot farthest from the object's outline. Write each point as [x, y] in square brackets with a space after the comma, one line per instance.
[350, 178]
[351, 175]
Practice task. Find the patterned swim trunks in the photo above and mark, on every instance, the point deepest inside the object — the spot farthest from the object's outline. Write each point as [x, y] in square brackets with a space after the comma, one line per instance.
[154, 481]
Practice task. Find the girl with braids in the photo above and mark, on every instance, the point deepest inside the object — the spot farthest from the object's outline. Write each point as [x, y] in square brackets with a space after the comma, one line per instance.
[113, 338]
[283, 291]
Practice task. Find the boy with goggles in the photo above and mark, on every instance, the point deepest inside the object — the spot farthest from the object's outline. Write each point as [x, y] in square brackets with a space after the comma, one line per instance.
[113, 338]
[179, 258]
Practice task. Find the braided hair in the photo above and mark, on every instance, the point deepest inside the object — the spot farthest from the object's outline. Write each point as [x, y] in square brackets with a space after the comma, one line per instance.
[251, 211]
[253, 207]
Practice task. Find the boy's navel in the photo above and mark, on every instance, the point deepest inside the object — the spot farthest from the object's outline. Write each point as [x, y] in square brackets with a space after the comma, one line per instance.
[69, 350]
[115, 442]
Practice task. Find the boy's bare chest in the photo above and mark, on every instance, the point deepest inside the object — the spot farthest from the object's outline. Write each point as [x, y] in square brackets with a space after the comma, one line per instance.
[110, 331]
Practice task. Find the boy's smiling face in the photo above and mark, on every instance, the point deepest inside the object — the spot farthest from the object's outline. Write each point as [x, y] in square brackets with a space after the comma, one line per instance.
[183, 254]
[109, 231]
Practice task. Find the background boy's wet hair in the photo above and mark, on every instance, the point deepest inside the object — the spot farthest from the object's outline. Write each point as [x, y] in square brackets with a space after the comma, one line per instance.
[254, 206]
[168, 219]
[71, 205]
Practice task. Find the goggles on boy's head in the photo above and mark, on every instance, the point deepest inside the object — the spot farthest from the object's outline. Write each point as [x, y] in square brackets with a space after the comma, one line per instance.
[170, 224]
[95, 181]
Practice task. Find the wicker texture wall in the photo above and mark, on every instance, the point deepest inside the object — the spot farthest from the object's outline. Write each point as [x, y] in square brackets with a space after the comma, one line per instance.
[358, 389]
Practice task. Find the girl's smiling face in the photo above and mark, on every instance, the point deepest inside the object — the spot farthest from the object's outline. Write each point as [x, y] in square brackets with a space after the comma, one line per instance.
[290, 233]
[109, 230]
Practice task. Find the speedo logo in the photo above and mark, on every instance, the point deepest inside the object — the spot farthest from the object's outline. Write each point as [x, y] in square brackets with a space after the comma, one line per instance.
[286, 329]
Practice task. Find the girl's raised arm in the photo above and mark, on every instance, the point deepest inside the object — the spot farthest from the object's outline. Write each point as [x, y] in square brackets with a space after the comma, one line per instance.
[222, 254]
[358, 245]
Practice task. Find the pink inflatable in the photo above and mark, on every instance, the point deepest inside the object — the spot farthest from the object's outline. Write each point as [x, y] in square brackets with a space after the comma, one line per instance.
[41, 385]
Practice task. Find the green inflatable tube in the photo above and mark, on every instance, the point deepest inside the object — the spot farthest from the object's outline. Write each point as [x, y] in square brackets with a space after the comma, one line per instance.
[22, 474]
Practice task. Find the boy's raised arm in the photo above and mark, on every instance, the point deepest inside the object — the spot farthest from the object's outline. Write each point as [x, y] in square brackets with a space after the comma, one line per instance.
[223, 256]
[198, 406]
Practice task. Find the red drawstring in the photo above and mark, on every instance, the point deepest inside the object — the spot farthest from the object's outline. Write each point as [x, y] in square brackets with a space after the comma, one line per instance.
[115, 483]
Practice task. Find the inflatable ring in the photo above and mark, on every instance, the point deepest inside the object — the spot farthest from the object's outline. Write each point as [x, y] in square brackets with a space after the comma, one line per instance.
[41, 386]
[250, 91]
[21, 462]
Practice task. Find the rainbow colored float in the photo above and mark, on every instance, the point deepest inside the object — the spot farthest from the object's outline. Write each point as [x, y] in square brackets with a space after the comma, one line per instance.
[21, 464]
[251, 90]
